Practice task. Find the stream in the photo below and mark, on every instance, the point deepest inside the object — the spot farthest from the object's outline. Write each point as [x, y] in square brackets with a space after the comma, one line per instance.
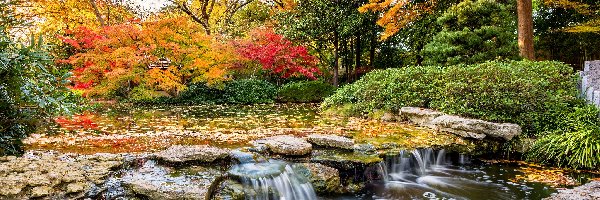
[402, 167]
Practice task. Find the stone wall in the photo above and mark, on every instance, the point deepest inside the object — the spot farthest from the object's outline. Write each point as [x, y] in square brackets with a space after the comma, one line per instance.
[589, 84]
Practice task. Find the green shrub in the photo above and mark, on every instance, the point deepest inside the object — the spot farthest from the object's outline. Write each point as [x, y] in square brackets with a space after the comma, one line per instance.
[305, 91]
[201, 94]
[141, 94]
[388, 90]
[575, 144]
[522, 92]
[249, 91]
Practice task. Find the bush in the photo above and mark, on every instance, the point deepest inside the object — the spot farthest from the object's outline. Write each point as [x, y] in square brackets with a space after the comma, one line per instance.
[305, 91]
[249, 91]
[389, 90]
[200, 93]
[575, 144]
[521, 92]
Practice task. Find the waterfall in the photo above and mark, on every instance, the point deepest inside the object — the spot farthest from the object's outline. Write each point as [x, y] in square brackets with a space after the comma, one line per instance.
[273, 180]
[426, 173]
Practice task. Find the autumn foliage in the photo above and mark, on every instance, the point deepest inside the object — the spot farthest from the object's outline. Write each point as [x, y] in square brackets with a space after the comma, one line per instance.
[278, 55]
[115, 60]
[397, 13]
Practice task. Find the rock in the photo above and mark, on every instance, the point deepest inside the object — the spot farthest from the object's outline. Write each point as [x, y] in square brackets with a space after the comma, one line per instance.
[365, 148]
[324, 179]
[589, 191]
[158, 182]
[420, 116]
[77, 187]
[388, 117]
[343, 160]
[333, 141]
[52, 175]
[475, 128]
[196, 153]
[40, 191]
[285, 145]
[230, 190]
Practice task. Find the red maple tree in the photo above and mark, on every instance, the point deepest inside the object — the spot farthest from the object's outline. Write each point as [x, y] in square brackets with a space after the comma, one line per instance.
[278, 55]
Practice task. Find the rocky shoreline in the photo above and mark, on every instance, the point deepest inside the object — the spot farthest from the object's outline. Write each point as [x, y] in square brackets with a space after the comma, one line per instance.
[333, 164]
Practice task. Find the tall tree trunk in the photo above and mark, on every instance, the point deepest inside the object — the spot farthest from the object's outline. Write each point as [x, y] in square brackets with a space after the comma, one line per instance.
[525, 30]
[97, 12]
[336, 55]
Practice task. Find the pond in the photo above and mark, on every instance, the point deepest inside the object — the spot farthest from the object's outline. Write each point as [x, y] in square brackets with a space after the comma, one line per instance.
[126, 128]
[412, 171]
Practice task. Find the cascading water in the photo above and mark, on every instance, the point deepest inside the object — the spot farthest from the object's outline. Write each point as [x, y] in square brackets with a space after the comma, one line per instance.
[272, 179]
[426, 173]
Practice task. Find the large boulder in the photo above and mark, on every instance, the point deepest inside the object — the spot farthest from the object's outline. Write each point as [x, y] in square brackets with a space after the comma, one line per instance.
[475, 128]
[324, 179]
[589, 191]
[158, 182]
[333, 141]
[420, 116]
[285, 145]
[196, 153]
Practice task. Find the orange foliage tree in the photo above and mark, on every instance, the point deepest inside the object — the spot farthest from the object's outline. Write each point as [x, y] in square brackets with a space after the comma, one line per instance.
[397, 13]
[114, 61]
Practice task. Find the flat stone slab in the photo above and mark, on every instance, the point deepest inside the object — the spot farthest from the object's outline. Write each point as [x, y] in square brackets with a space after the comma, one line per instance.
[475, 128]
[333, 141]
[51, 175]
[158, 182]
[285, 145]
[420, 116]
[589, 191]
[196, 153]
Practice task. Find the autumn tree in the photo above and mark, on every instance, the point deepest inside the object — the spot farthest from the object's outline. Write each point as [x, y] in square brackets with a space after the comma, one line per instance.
[278, 55]
[211, 14]
[397, 14]
[114, 61]
[56, 16]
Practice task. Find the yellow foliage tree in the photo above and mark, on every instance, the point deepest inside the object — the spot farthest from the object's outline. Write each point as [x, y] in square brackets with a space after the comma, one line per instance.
[396, 14]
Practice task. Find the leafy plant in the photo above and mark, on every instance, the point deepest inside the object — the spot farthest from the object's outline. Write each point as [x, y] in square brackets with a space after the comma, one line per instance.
[305, 91]
[576, 143]
[29, 91]
[249, 91]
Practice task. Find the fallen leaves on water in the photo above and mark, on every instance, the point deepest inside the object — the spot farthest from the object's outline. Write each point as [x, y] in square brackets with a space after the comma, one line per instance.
[556, 177]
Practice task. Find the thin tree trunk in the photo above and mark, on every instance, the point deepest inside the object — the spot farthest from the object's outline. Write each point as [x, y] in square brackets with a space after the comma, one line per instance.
[525, 30]
[357, 56]
[335, 58]
[97, 13]
[372, 51]
[345, 58]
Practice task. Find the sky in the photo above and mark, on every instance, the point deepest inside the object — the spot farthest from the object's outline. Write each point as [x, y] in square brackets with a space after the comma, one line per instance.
[150, 5]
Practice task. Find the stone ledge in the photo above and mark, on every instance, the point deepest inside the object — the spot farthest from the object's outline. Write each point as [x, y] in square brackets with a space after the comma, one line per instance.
[465, 127]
